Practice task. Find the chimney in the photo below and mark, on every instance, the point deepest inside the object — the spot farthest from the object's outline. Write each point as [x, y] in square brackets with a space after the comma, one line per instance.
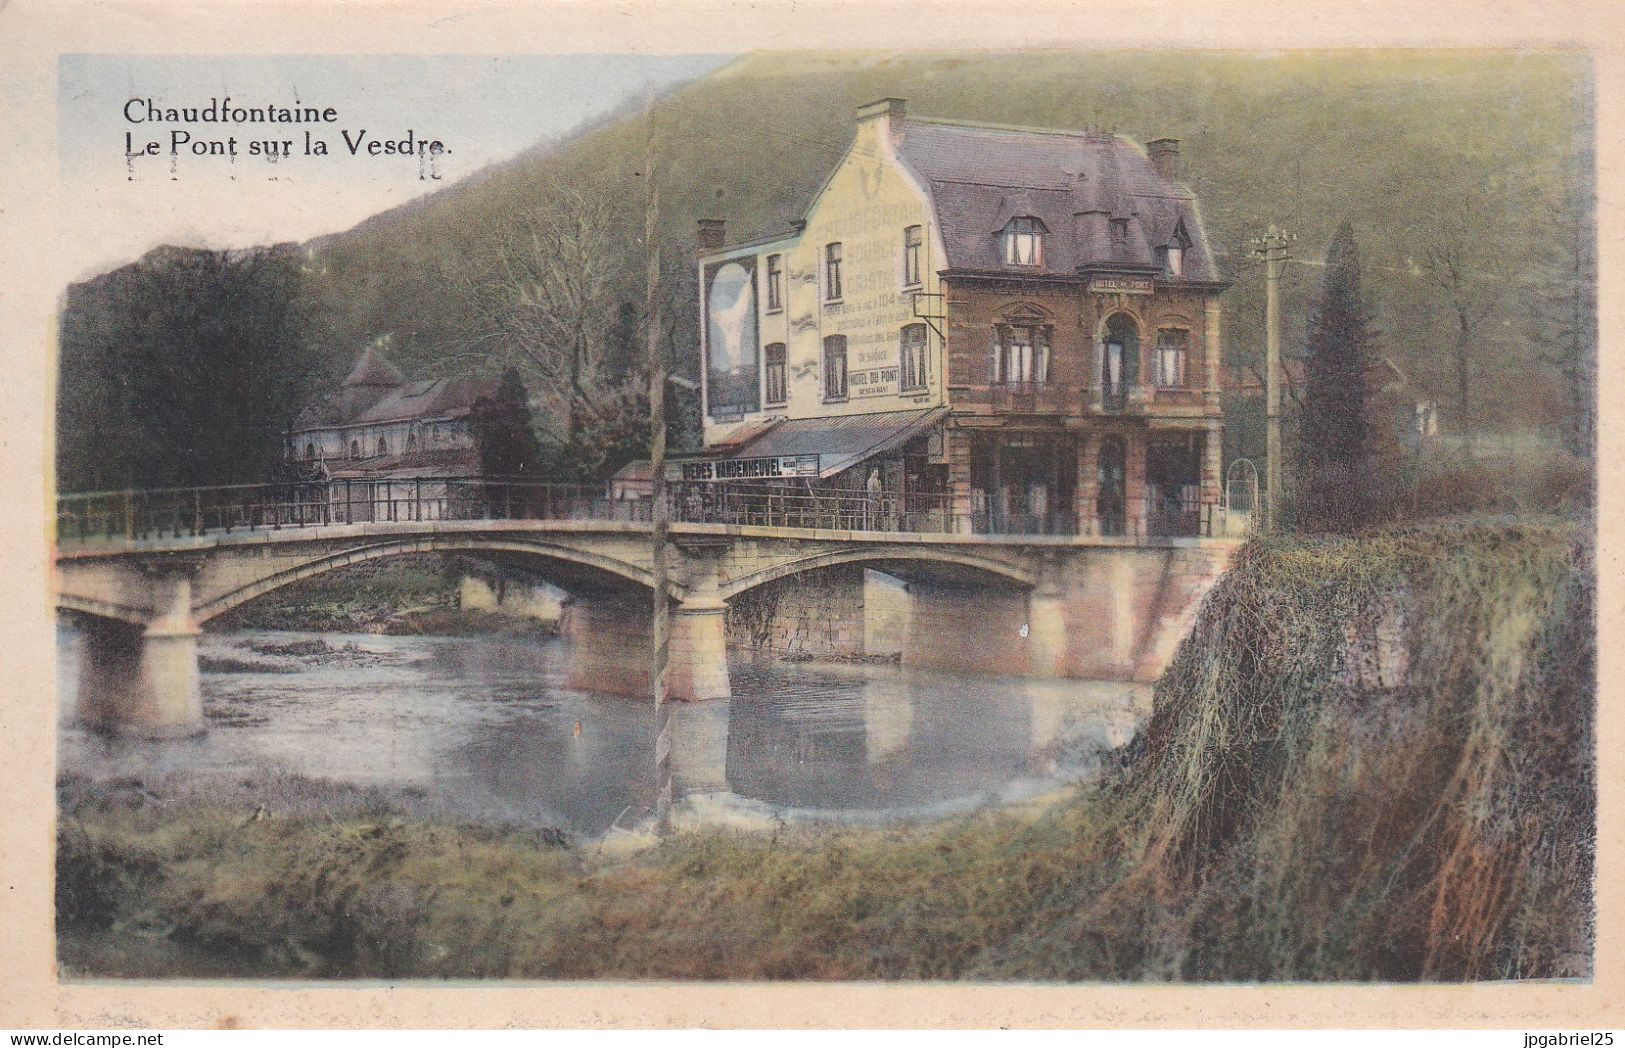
[891, 110]
[1164, 154]
[710, 234]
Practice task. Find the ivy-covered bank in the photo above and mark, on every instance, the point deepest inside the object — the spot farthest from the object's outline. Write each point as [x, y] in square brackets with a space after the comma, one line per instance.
[1373, 759]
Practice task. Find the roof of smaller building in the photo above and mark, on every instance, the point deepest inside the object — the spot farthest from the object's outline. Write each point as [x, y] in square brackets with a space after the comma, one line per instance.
[376, 393]
[636, 470]
[414, 465]
[371, 369]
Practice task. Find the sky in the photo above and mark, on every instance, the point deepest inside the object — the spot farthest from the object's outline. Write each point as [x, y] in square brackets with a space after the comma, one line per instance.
[113, 206]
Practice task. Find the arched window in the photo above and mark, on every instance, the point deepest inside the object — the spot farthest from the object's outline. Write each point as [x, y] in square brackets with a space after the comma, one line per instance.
[355, 449]
[310, 451]
[1024, 241]
[911, 365]
[1119, 360]
[383, 446]
[411, 441]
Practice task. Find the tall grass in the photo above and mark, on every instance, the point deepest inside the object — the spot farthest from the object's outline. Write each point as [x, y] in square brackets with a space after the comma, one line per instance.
[1373, 759]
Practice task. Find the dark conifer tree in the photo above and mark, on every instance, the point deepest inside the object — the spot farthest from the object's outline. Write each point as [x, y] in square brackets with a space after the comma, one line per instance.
[501, 422]
[1335, 481]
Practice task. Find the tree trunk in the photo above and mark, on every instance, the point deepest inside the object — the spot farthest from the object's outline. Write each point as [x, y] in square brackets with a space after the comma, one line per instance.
[1463, 377]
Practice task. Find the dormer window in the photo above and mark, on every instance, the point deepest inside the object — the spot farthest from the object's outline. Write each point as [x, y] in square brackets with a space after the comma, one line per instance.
[1173, 261]
[1024, 242]
[1173, 255]
[1119, 233]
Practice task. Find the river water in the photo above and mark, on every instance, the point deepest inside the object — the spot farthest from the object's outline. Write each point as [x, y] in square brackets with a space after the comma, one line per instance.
[486, 727]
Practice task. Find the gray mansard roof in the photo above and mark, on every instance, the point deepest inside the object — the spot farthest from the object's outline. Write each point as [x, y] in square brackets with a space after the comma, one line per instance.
[1075, 183]
[375, 393]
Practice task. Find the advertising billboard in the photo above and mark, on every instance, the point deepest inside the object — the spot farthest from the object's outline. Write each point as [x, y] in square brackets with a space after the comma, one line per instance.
[732, 369]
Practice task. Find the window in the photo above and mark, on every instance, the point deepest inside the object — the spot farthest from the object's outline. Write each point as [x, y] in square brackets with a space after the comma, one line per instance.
[912, 364]
[775, 283]
[1020, 355]
[383, 448]
[835, 367]
[1171, 345]
[411, 442]
[1119, 232]
[1119, 360]
[774, 372]
[1173, 254]
[1024, 242]
[355, 449]
[310, 452]
[832, 272]
[912, 247]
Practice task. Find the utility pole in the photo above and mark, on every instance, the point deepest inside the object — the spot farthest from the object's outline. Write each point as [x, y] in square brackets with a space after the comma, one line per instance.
[660, 517]
[1274, 248]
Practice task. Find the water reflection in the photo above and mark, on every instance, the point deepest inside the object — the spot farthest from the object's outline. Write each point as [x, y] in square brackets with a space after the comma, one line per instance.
[486, 728]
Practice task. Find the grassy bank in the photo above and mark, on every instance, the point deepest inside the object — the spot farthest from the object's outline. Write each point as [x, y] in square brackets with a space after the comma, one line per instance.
[1372, 760]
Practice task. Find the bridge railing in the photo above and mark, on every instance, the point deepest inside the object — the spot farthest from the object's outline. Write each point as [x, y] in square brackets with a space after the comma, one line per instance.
[843, 510]
[142, 515]
[176, 512]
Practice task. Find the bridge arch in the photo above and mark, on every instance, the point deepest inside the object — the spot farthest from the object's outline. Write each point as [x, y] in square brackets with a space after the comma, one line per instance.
[103, 609]
[584, 564]
[912, 560]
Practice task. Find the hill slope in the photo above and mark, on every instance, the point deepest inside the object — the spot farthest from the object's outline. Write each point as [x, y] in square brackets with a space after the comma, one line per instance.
[1417, 150]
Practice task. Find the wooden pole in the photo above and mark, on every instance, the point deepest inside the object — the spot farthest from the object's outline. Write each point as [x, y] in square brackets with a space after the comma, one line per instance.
[1274, 249]
[660, 517]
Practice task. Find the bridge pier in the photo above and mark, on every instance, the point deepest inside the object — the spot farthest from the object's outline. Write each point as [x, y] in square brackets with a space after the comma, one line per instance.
[144, 681]
[698, 666]
[611, 647]
[1046, 626]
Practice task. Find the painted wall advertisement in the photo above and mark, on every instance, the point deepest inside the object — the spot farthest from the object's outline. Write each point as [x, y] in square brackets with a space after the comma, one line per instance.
[733, 384]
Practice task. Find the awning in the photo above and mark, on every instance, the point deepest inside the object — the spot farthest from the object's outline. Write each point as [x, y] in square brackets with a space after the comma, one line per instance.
[810, 447]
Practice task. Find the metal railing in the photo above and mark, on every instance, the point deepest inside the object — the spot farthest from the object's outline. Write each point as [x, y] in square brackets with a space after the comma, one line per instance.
[840, 510]
[130, 516]
[177, 512]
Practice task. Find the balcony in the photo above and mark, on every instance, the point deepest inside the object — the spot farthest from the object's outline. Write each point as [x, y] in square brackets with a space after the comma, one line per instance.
[1048, 398]
[1020, 398]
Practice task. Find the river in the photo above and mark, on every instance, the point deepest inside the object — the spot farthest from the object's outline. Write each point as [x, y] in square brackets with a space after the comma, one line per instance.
[486, 728]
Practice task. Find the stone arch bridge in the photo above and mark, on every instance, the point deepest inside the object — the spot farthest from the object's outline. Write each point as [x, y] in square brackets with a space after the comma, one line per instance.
[1099, 608]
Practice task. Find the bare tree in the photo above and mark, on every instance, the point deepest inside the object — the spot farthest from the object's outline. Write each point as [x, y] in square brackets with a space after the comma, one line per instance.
[1472, 287]
[559, 292]
[549, 287]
